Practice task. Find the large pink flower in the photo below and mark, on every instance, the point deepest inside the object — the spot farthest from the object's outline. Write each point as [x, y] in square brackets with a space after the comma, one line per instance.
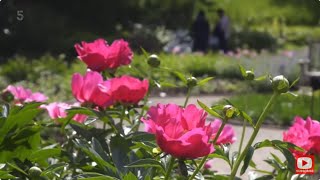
[58, 110]
[99, 56]
[227, 136]
[127, 89]
[180, 132]
[91, 88]
[22, 95]
[305, 134]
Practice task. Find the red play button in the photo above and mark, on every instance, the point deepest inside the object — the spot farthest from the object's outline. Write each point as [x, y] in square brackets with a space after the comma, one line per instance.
[304, 162]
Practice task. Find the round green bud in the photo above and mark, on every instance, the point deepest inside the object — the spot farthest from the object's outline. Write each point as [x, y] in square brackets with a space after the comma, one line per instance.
[250, 75]
[154, 61]
[34, 172]
[192, 81]
[229, 111]
[280, 84]
[7, 96]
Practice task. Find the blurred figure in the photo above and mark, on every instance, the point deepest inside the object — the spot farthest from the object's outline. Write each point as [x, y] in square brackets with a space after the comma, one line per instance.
[221, 30]
[200, 33]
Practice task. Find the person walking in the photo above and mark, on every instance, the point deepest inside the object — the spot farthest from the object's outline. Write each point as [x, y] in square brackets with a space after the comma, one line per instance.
[221, 30]
[200, 33]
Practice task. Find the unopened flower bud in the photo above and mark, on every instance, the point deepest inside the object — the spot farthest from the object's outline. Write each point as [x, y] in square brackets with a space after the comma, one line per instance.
[280, 84]
[153, 60]
[192, 81]
[249, 75]
[34, 172]
[7, 96]
[229, 111]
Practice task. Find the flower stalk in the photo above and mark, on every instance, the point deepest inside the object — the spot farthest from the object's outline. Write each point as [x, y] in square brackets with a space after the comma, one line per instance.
[253, 136]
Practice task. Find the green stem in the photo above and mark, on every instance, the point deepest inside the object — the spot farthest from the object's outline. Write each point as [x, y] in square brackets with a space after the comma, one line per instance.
[187, 97]
[206, 157]
[242, 135]
[253, 136]
[171, 163]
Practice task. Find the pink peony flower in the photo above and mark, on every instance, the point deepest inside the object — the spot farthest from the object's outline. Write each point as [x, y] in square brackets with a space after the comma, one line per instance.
[227, 135]
[180, 132]
[91, 88]
[99, 56]
[58, 110]
[305, 134]
[127, 89]
[22, 95]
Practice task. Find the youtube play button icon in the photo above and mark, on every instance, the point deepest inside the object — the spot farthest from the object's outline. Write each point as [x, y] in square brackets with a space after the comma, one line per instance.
[305, 164]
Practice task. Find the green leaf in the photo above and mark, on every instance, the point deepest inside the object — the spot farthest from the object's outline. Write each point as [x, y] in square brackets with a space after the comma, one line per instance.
[295, 82]
[246, 117]
[167, 84]
[98, 148]
[44, 154]
[142, 136]
[103, 177]
[130, 176]
[290, 95]
[247, 160]
[146, 163]
[145, 53]
[53, 168]
[243, 71]
[209, 110]
[265, 177]
[83, 145]
[6, 175]
[289, 157]
[277, 159]
[120, 148]
[17, 168]
[204, 81]
[261, 78]
[180, 76]
[219, 156]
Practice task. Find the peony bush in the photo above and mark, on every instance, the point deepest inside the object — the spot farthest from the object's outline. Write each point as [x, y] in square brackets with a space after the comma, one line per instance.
[108, 131]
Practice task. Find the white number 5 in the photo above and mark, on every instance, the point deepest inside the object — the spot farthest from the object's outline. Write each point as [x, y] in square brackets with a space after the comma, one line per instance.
[20, 15]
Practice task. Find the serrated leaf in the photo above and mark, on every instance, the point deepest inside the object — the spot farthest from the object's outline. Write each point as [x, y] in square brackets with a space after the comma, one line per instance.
[247, 160]
[208, 110]
[204, 81]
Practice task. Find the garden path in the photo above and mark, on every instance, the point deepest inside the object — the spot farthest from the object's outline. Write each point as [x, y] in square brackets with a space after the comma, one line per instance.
[265, 133]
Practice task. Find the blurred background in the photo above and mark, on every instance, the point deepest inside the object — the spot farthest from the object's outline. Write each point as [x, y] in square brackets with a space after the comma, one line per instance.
[31, 28]
[37, 43]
